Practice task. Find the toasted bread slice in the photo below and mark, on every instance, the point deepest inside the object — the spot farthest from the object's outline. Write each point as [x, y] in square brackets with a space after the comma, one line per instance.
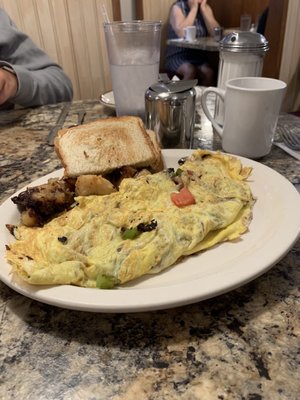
[104, 145]
[158, 164]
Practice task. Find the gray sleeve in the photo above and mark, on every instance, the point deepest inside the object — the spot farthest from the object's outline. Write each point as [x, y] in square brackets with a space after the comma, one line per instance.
[40, 80]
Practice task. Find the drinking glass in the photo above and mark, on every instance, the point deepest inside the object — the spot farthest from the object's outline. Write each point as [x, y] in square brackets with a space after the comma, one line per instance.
[245, 22]
[134, 52]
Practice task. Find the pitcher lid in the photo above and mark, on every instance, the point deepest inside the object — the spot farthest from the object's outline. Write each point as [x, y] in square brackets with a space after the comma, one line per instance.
[170, 86]
[244, 42]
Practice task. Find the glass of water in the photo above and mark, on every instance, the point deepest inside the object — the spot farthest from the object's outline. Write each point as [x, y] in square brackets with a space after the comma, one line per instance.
[134, 52]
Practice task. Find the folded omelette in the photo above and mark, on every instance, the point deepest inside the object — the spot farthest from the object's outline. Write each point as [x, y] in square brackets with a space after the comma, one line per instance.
[104, 241]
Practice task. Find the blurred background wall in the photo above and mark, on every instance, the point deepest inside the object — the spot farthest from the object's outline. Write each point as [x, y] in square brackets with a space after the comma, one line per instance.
[290, 60]
[128, 9]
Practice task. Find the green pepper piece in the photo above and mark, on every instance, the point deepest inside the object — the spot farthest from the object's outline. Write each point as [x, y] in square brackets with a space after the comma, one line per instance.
[130, 233]
[105, 282]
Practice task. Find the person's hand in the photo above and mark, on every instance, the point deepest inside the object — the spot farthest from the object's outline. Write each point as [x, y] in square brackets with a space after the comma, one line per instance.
[202, 3]
[194, 3]
[8, 85]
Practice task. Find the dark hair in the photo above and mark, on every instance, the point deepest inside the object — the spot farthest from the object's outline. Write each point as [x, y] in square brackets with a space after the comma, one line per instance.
[261, 26]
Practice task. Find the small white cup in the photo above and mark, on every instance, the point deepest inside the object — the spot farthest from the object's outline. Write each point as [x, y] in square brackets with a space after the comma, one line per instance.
[190, 33]
[251, 109]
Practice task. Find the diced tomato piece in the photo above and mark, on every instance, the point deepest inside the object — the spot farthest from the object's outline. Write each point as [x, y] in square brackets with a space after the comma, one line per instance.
[183, 198]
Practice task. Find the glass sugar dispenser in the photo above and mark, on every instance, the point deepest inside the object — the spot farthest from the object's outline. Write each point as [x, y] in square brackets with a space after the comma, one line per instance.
[241, 54]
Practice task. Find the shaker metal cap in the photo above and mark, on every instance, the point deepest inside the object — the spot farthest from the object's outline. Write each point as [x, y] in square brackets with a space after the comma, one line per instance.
[244, 42]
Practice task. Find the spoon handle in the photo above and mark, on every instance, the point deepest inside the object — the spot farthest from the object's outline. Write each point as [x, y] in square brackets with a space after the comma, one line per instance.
[80, 117]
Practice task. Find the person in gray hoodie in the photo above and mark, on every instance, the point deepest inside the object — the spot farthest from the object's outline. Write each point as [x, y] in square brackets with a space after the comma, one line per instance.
[28, 76]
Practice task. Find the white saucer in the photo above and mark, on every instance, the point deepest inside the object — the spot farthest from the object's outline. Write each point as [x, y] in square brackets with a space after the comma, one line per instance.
[107, 99]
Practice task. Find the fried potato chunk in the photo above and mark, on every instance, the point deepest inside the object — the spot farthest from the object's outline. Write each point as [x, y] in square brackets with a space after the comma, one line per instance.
[87, 185]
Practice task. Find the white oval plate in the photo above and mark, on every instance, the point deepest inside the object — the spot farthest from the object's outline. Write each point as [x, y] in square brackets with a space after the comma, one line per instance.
[273, 231]
[107, 99]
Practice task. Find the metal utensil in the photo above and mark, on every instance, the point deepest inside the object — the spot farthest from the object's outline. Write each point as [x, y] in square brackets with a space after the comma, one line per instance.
[80, 119]
[289, 134]
[291, 139]
[61, 119]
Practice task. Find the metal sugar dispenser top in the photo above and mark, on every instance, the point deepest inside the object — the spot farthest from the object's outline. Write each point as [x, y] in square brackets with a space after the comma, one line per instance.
[249, 42]
[170, 111]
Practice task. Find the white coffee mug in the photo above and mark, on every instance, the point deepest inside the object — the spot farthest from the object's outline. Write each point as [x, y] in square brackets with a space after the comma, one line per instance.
[251, 109]
[190, 33]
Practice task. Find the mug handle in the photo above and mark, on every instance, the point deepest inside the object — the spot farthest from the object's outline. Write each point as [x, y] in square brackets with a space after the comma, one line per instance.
[219, 92]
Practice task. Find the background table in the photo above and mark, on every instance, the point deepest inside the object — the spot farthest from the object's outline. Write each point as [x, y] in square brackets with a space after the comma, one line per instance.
[240, 345]
[201, 43]
[207, 45]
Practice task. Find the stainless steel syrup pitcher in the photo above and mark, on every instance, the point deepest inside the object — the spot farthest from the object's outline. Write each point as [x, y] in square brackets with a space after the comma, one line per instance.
[170, 112]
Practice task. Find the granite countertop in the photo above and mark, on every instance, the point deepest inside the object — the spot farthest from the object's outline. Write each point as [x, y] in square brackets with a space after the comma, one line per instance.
[240, 345]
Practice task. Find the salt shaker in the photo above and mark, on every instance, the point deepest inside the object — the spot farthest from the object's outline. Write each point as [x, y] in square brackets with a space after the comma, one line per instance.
[241, 54]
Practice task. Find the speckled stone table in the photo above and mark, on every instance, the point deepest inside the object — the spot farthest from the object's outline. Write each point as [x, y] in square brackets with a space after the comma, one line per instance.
[241, 345]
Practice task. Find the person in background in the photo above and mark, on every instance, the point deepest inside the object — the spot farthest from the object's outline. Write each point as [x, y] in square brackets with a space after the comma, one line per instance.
[28, 77]
[262, 21]
[184, 62]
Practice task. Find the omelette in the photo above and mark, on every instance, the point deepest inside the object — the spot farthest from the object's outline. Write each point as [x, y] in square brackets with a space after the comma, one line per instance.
[147, 226]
